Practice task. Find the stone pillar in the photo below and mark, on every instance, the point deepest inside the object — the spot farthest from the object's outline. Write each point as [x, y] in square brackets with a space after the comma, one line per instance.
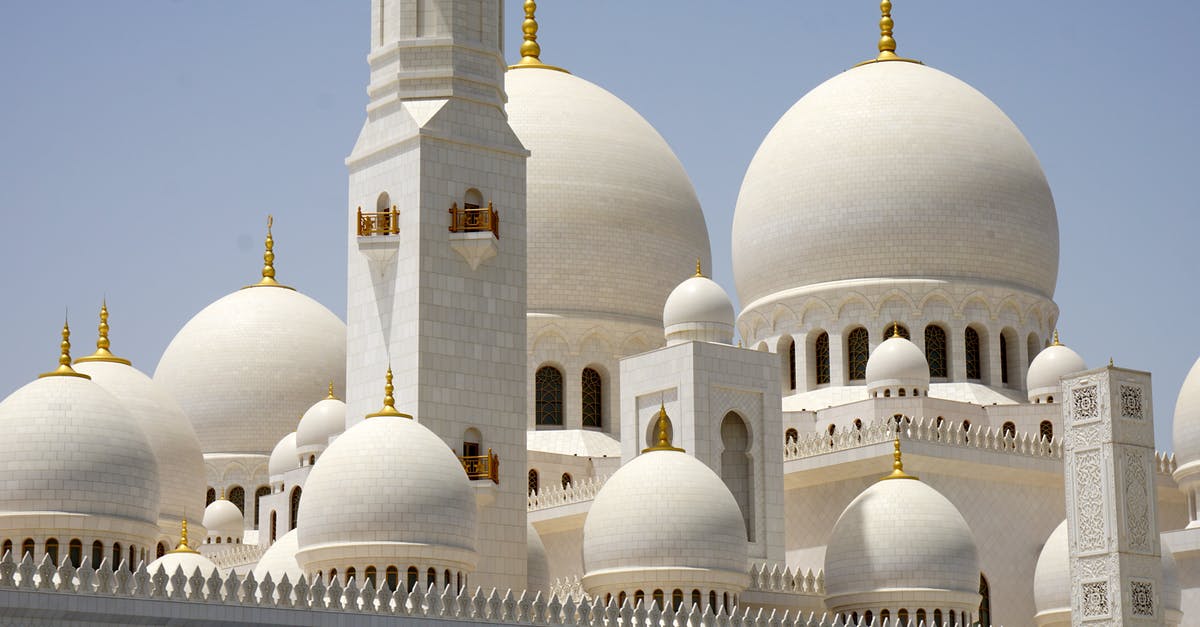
[1116, 567]
[837, 359]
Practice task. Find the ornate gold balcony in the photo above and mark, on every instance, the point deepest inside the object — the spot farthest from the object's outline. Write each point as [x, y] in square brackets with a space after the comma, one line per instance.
[482, 466]
[378, 223]
[474, 220]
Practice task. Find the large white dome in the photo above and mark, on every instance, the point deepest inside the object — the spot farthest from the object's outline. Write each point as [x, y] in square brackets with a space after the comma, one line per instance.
[247, 365]
[894, 170]
[1186, 428]
[1047, 369]
[613, 220]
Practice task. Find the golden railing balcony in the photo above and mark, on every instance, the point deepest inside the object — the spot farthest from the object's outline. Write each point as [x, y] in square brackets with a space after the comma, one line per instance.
[474, 220]
[378, 223]
[482, 466]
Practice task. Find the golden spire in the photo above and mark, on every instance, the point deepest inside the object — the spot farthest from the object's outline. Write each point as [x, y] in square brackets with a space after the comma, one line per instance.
[331, 396]
[897, 466]
[102, 353]
[389, 403]
[530, 50]
[268, 271]
[662, 427]
[1056, 337]
[222, 495]
[887, 44]
[64, 368]
[183, 546]
[1110, 362]
[896, 329]
[699, 272]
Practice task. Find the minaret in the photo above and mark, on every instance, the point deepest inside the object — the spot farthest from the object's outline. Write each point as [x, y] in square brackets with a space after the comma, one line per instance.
[436, 268]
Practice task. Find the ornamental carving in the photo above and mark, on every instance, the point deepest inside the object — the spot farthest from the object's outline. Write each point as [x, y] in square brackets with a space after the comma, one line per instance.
[1141, 598]
[1089, 502]
[1131, 402]
[1137, 502]
[1085, 402]
[1094, 598]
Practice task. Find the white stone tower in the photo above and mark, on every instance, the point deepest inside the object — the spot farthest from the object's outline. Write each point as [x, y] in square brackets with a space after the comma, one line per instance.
[437, 248]
[1116, 567]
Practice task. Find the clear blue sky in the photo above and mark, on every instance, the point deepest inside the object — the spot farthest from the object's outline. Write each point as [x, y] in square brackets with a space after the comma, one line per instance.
[144, 142]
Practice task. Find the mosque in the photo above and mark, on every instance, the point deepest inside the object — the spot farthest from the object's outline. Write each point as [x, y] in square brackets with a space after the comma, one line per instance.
[537, 389]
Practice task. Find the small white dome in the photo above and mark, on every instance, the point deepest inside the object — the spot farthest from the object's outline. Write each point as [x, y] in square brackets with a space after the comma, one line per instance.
[283, 456]
[664, 519]
[897, 364]
[1052, 579]
[1186, 428]
[223, 519]
[188, 560]
[245, 366]
[390, 483]
[322, 421]
[70, 446]
[698, 309]
[901, 539]
[1046, 370]
[280, 560]
[537, 563]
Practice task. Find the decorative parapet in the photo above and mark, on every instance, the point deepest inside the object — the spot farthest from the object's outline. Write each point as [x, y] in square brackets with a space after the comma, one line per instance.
[770, 578]
[378, 222]
[474, 220]
[575, 492]
[482, 466]
[945, 434]
[236, 555]
[569, 588]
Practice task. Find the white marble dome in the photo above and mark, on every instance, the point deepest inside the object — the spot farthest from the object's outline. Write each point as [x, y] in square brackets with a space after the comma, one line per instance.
[893, 170]
[665, 520]
[938, 568]
[224, 520]
[613, 220]
[189, 561]
[322, 421]
[245, 366]
[897, 364]
[537, 563]
[698, 309]
[1186, 428]
[283, 456]
[280, 560]
[1052, 580]
[70, 446]
[181, 473]
[1046, 370]
[390, 483]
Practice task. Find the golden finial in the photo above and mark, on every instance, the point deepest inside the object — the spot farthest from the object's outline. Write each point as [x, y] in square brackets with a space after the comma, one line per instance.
[64, 368]
[268, 271]
[898, 465]
[183, 546]
[389, 403]
[662, 427]
[1110, 362]
[896, 329]
[102, 353]
[699, 271]
[222, 495]
[887, 44]
[530, 49]
[1056, 338]
[331, 396]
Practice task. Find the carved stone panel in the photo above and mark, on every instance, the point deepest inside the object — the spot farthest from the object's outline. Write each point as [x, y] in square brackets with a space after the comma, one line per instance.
[1131, 402]
[1137, 501]
[1089, 502]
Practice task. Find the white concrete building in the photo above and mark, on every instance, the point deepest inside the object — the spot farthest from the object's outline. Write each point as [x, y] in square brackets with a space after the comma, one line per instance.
[571, 430]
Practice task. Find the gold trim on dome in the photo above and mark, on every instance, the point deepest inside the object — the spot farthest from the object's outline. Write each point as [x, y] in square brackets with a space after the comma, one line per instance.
[64, 368]
[530, 49]
[898, 466]
[389, 402]
[662, 427]
[183, 546]
[102, 353]
[887, 44]
[268, 271]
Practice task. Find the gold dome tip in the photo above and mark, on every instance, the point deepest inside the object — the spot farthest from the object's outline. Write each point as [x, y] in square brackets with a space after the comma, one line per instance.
[531, 51]
[897, 465]
[331, 396]
[183, 546]
[102, 344]
[887, 44]
[1056, 343]
[389, 402]
[896, 329]
[662, 427]
[699, 270]
[268, 270]
[64, 368]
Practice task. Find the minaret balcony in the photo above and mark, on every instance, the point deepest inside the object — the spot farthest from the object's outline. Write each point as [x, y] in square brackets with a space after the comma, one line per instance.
[378, 223]
[473, 233]
[482, 466]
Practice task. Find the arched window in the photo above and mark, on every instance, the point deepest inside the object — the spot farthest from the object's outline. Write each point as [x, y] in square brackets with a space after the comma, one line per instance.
[985, 603]
[160, 550]
[75, 552]
[821, 358]
[971, 353]
[350, 574]
[132, 558]
[676, 599]
[695, 598]
[736, 469]
[392, 578]
[922, 618]
[566, 480]
[885, 617]
[472, 199]
[7, 548]
[549, 394]
[533, 481]
[52, 550]
[1032, 346]
[332, 575]
[369, 576]
[1009, 430]
[892, 328]
[935, 351]
[431, 579]
[639, 598]
[902, 618]
[383, 202]
[791, 435]
[471, 440]
[832, 429]
[658, 598]
[274, 522]
[858, 350]
[791, 364]
[116, 555]
[97, 554]
[621, 599]
[937, 618]
[258, 494]
[294, 513]
[592, 403]
[237, 496]
[412, 578]
[857, 424]
[953, 618]
[1003, 359]
[446, 578]
[209, 497]
[1046, 430]
[712, 600]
